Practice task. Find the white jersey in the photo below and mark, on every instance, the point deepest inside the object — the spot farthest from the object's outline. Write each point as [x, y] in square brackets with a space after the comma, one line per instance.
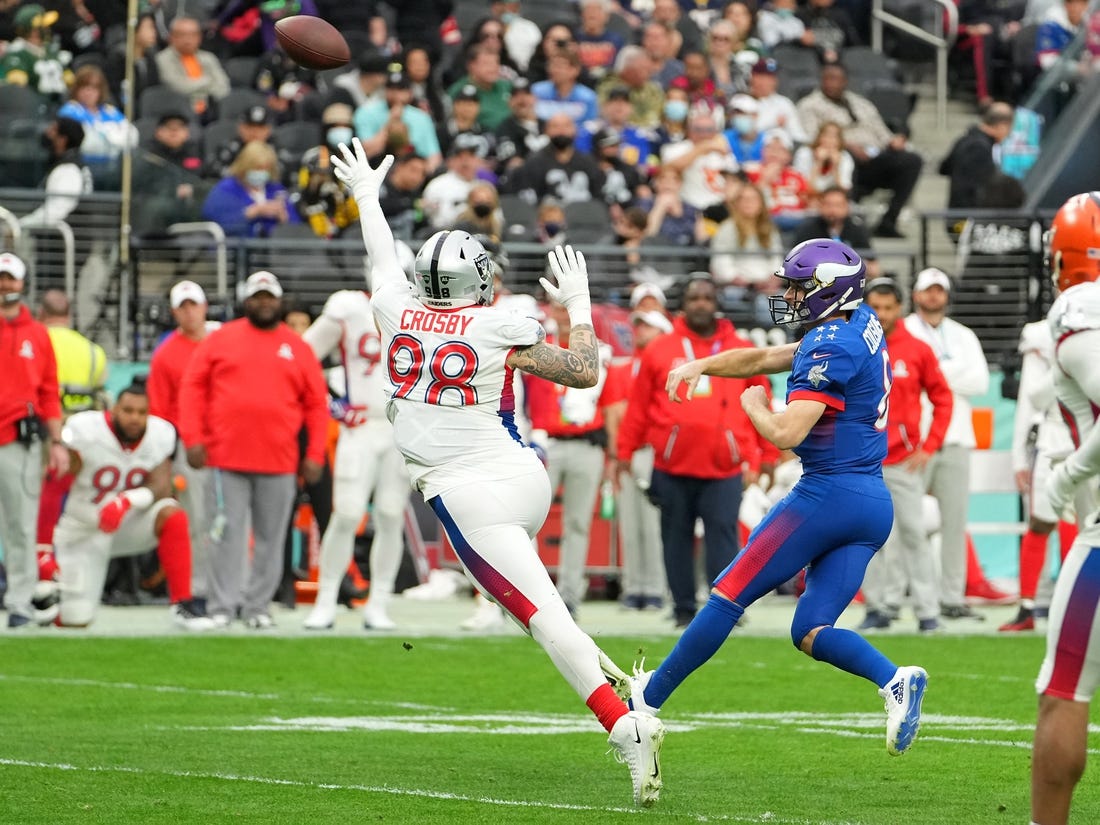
[452, 404]
[346, 323]
[1075, 326]
[107, 467]
[1035, 404]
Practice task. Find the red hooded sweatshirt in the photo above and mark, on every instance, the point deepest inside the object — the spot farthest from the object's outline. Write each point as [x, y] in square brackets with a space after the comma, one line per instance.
[916, 369]
[28, 373]
[707, 437]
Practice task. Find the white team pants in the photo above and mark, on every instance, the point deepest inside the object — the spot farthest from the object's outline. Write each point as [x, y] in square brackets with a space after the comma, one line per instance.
[20, 488]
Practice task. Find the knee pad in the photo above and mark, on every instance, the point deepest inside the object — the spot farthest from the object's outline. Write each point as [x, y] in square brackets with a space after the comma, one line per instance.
[339, 521]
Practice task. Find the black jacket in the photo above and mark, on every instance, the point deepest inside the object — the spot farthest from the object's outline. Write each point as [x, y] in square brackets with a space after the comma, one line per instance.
[970, 165]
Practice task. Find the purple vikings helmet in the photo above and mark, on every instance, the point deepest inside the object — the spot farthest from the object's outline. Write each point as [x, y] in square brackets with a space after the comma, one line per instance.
[831, 276]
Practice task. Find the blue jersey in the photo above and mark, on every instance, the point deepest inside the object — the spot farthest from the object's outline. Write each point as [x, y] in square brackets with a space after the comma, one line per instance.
[846, 367]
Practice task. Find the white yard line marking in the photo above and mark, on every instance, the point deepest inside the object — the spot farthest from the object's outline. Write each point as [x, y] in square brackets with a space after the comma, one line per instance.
[765, 817]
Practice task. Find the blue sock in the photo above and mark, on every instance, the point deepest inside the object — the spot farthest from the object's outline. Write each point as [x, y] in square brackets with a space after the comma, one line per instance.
[700, 640]
[850, 652]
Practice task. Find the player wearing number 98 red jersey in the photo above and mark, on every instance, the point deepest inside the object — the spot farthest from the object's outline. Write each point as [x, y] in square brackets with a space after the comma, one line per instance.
[121, 504]
[450, 357]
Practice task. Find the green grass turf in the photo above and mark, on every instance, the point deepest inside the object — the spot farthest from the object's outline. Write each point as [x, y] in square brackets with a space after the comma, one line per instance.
[169, 731]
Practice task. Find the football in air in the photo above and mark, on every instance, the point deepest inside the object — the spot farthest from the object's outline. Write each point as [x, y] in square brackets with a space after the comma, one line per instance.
[312, 42]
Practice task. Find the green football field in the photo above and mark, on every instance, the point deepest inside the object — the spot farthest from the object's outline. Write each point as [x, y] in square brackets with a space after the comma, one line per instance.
[314, 730]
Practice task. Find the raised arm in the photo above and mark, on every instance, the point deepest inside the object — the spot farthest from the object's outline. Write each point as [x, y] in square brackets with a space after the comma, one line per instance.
[578, 366]
[742, 362]
[364, 182]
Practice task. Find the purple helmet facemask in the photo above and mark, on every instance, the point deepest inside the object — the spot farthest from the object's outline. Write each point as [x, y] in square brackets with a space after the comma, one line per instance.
[830, 275]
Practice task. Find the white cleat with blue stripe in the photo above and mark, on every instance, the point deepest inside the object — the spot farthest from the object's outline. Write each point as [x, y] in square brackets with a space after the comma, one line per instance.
[903, 694]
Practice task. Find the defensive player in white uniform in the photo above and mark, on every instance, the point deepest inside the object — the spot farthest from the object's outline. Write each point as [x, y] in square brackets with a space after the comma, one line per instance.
[1070, 672]
[121, 504]
[1033, 463]
[367, 462]
[450, 357]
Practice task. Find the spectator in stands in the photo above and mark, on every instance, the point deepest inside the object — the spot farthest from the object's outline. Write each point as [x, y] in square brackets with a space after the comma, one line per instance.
[185, 68]
[559, 170]
[107, 133]
[698, 83]
[146, 43]
[521, 36]
[366, 83]
[671, 221]
[29, 399]
[556, 37]
[829, 29]
[701, 158]
[785, 190]
[639, 521]
[673, 126]
[166, 175]
[320, 199]
[623, 183]
[400, 197]
[285, 83]
[445, 196]
[963, 364]
[68, 180]
[562, 93]
[628, 231]
[775, 111]
[423, 21]
[973, 159]
[777, 23]
[247, 27]
[745, 252]
[701, 452]
[881, 157]
[248, 390]
[1057, 31]
[906, 562]
[662, 43]
[727, 67]
[490, 33]
[835, 220]
[670, 13]
[249, 201]
[520, 133]
[483, 71]
[636, 144]
[825, 163]
[988, 31]
[633, 70]
[745, 138]
[34, 58]
[253, 126]
[427, 94]
[747, 46]
[389, 126]
[597, 44]
[464, 111]
[482, 213]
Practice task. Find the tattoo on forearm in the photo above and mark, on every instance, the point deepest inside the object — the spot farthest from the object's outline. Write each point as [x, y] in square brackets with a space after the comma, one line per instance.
[577, 366]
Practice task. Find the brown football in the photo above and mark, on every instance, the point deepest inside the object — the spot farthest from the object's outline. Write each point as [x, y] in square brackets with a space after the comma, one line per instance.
[312, 42]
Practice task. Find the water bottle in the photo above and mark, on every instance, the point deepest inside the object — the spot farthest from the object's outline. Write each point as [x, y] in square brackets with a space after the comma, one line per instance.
[607, 501]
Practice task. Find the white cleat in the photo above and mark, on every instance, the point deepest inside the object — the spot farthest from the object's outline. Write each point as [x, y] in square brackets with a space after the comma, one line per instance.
[320, 618]
[376, 618]
[184, 615]
[903, 696]
[487, 616]
[637, 685]
[616, 677]
[636, 739]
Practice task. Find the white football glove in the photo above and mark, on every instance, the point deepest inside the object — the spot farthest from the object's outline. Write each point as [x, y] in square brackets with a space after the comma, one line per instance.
[1061, 486]
[571, 273]
[356, 173]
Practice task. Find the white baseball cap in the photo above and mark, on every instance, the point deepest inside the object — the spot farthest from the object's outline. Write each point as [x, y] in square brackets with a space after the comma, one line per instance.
[647, 290]
[932, 277]
[262, 281]
[744, 103]
[655, 319]
[186, 291]
[13, 265]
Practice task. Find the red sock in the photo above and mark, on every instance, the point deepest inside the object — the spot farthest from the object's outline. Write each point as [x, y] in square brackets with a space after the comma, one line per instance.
[54, 490]
[1033, 554]
[608, 707]
[974, 574]
[174, 552]
[1067, 535]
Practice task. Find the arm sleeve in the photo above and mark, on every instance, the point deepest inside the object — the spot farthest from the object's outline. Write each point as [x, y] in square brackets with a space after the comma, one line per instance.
[49, 398]
[378, 238]
[943, 401]
[194, 393]
[323, 335]
[1031, 373]
[966, 371]
[1077, 357]
[64, 186]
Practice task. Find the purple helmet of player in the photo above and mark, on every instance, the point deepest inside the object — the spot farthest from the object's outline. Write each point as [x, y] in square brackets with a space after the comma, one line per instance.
[829, 277]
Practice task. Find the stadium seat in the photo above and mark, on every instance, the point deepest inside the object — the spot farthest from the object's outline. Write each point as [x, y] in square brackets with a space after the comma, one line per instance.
[214, 137]
[587, 221]
[291, 140]
[893, 103]
[797, 60]
[241, 71]
[19, 101]
[237, 101]
[519, 217]
[865, 62]
[158, 100]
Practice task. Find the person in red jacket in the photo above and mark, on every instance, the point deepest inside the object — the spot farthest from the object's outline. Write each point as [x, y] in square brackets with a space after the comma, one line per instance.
[29, 401]
[166, 369]
[248, 390]
[906, 560]
[701, 451]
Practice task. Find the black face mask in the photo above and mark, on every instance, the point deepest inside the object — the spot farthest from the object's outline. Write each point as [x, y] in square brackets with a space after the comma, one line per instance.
[551, 228]
[46, 142]
[561, 142]
[483, 210]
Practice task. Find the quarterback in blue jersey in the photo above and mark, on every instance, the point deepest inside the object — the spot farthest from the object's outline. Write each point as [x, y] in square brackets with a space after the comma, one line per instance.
[839, 513]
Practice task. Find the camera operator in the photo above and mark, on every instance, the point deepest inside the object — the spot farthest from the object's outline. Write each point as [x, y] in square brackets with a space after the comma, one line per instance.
[30, 411]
